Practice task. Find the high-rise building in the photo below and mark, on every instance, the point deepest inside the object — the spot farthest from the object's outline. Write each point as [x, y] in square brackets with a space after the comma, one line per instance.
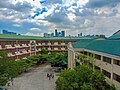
[59, 34]
[48, 35]
[63, 33]
[52, 34]
[56, 33]
[45, 35]
[80, 35]
[7, 32]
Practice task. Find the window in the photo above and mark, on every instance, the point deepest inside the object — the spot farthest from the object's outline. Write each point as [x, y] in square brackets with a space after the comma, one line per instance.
[98, 57]
[106, 73]
[85, 53]
[90, 54]
[117, 62]
[97, 68]
[107, 59]
[116, 77]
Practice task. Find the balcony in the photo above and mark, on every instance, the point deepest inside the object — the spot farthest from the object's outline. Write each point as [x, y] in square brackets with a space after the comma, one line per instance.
[49, 48]
[55, 48]
[62, 43]
[24, 45]
[9, 47]
[10, 55]
[43, 43]
[49, 43]
[0, 47]
[29, 45]
[39, 49]
[39, 44]
[17, 53]
[62, 48]
[24, 51]
[29, 51]
[56, 43]
[17, 46]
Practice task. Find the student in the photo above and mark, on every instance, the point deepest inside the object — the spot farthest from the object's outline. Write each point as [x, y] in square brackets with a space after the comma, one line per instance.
[52, 75]
[47, 75]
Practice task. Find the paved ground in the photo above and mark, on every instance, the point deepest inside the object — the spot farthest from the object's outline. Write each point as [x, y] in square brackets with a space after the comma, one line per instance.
[34, 80]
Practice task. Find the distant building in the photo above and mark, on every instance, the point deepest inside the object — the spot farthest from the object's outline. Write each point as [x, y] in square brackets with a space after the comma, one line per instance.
[105, 54]
[7, 32]
[59, 34]
[52, 34]
[80, 35]
[56, 33]
[48, 35]
[63, 33]
[45, 35]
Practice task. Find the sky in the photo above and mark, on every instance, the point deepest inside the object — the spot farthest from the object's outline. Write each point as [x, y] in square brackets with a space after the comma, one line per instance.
[35, 17]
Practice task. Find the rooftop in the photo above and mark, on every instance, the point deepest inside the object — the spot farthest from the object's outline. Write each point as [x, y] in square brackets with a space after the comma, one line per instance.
[116, 35]
[23, 37]
[105, 46]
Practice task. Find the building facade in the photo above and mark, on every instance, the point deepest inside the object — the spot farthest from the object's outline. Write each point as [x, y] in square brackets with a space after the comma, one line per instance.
[106, 54]
[20, 47]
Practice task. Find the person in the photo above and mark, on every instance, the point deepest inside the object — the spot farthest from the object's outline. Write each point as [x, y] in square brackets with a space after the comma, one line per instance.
[12, 81]
[47, 75]
[52, 75]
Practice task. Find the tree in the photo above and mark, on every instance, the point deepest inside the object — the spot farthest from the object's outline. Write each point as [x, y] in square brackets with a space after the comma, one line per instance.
[33, 59]
[83, 59]
[58, 59]
[81, 78]
[44, 51]
[8, 68]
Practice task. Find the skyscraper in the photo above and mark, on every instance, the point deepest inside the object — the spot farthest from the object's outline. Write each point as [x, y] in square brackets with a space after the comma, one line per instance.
[63, 33]
[7, 32]
[56, 33]
[80, 35]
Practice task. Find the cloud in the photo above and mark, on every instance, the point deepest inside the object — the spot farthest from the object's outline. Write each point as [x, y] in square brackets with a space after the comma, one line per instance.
[35, 29]
[33, 34]
[16, 25]
[73, 16]
[19, 6]
[102, 3]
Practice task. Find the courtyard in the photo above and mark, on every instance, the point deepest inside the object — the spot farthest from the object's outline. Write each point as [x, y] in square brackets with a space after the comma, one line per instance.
[36, 79]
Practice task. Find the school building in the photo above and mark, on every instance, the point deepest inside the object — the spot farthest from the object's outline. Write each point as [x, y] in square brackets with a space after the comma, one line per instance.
[106, 53]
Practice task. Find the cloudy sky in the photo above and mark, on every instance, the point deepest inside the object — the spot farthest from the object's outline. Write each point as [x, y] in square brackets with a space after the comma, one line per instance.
[35, 17]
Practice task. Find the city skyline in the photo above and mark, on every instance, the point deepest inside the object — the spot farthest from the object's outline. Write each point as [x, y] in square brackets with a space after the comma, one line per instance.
[35, 17]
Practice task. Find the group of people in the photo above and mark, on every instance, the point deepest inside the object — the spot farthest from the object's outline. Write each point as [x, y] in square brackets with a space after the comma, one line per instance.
[50, 75]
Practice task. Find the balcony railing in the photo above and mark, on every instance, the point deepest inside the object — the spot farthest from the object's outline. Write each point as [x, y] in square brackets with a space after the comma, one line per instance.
[62, 48]
[25, 45]
[0, 47]
[62, 43]
[9, 47]
[10, 55]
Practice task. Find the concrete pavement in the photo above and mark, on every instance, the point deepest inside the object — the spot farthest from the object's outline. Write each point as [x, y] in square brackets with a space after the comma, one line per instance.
[34, 80]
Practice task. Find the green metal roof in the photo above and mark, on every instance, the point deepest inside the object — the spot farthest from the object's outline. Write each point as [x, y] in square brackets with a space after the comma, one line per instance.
[117, 36]
[82, 43]
[105, 46]
[22, 37]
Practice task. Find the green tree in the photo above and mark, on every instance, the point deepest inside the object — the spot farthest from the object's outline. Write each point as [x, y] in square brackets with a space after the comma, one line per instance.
[58, 59]
[44, 51]
[82, 78]
[8, 68]
[33, 60]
